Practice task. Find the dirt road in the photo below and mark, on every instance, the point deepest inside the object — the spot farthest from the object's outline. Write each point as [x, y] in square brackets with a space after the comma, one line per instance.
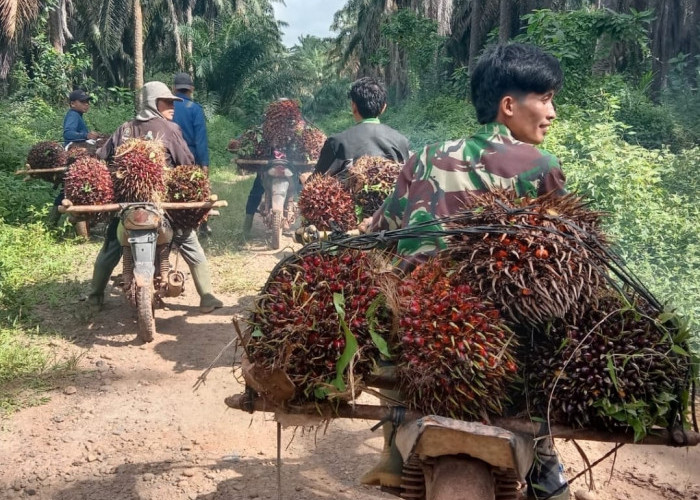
[130, 425]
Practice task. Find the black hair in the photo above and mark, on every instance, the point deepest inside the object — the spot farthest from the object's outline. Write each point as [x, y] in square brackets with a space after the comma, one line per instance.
[514, 68]
[369, 95]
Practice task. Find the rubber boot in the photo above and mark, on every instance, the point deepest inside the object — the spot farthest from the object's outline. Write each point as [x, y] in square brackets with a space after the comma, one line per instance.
[388, 471]
[248, 225]
[54, 217]
[107, 260]
[202, 282]
[546, 477]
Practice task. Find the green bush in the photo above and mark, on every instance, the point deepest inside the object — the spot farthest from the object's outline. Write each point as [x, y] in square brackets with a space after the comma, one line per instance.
[24, 202]
[220, 131]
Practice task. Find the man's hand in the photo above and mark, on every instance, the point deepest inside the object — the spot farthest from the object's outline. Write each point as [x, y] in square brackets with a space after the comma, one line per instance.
[93, 135]
[363, 227]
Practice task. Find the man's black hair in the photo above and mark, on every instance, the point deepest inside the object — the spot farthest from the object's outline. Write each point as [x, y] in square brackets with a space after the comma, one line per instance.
[369, 95]
[516, 69]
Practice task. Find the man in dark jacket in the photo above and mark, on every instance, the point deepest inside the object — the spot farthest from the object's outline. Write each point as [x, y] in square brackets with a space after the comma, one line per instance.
[367, 137]
[154, 121]
[190, 117]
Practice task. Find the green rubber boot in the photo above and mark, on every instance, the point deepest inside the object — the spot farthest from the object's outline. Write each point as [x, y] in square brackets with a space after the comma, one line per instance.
[388, 471]
[202, 282]
[248, 225]
[107, 260]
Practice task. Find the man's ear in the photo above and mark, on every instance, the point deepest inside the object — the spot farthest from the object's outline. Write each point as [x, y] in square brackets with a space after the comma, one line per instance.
[383, 109]
[505, 107]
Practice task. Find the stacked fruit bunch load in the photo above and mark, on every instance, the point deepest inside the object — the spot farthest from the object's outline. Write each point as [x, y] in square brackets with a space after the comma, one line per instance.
[615, 365]
[319, 320]
[535, 264]
[88, 182]
[187, 183]
[139, 171]
[46, 155]
[250, 145]
[371, 180]
[324, 203]
[307, 144]
[281, 124]
[456, 354]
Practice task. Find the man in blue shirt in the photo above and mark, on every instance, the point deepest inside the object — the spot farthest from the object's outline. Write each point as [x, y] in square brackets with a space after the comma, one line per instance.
[190, 117]
[74, 127]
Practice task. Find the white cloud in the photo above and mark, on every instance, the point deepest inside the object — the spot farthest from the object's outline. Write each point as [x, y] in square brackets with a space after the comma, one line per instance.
[306, 17]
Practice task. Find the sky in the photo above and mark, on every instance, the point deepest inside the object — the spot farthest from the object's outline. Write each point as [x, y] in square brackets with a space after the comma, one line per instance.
[306, 17]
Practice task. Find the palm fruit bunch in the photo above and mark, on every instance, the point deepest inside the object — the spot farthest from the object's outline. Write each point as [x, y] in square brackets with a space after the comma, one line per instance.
[139, 171]
[456, 354]
[46, 154]
[324, 203]
[371, 179]
[250, 145]
[320, 320]
[615, 366]
[88, 182]
[534, 264]
[187, 183]
[281, 122]
[307, 144]
[76, 153]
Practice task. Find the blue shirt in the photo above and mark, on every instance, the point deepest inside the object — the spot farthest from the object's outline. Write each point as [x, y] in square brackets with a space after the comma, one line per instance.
[74, 127]
[190, 117]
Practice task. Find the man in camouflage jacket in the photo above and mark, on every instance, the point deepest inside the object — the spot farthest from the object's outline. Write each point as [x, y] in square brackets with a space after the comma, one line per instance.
[515, 112]
[512, 87]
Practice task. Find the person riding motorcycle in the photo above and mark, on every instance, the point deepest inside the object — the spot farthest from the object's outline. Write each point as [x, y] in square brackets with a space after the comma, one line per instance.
[153, 120]
[512, 88]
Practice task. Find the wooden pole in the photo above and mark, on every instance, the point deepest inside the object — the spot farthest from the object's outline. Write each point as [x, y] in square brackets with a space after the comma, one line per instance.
[115, 207]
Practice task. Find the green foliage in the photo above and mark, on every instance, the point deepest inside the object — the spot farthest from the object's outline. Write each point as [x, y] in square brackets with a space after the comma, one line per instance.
[653, 223]
[51, 75]
[582, 38]
[427, 120]
[24, 202]
[106, 119]
[220, 131]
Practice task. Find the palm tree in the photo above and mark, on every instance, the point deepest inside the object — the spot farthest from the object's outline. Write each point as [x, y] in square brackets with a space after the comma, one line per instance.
[16, 18]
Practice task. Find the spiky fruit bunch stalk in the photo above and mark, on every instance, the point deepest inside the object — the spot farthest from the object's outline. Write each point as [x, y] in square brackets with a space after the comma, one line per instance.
[324, 203]
[371, 179]
[88, 182]
[315, 320]
[307, 145]
[456, 353]
[282, 119]
[250, 145]
[615, 366]
[535, 264]
[47, 154]
[139, 171]
[187, 183]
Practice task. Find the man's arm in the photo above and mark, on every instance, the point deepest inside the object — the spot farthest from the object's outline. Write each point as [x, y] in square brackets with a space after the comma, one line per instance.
[327, 156]
[74, 128]
[200, 139]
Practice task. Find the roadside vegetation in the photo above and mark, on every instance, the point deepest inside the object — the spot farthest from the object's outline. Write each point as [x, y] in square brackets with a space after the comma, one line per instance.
[628, 143]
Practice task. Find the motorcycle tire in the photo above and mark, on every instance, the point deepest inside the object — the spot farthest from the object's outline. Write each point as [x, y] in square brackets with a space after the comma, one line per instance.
[459, 478]
[276, 230]
[144, 311]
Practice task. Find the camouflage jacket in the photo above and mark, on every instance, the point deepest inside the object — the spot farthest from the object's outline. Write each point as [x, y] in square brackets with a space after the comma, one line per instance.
[437, 182]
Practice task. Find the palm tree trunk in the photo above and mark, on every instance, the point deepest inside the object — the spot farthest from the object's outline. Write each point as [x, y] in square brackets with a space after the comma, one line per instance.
[138, 46]
[176, 34]
[190, 44]
[475, 33]
[505, 24]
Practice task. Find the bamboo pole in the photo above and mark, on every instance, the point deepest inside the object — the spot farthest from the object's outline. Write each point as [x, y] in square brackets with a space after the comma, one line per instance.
[37, 171]
[115, 207]
[676, 438]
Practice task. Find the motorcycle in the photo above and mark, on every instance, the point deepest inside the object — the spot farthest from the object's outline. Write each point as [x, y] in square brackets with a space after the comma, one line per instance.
[146, 236]
[280, 179]
[444, 458]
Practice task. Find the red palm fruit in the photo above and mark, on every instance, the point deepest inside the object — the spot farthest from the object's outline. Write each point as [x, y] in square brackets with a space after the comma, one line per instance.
[281, 120]
[324, 203]
[187, 183]
[371, 179]
[139, 171]
[88, 182]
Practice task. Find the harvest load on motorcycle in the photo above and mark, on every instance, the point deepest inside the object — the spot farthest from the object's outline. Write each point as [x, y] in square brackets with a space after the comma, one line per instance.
[525, 324]
[154, 202]
[278, 151]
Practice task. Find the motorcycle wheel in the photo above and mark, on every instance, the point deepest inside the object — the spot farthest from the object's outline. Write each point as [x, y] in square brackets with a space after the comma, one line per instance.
[459, 478]
[144, 311]
[276, 229]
